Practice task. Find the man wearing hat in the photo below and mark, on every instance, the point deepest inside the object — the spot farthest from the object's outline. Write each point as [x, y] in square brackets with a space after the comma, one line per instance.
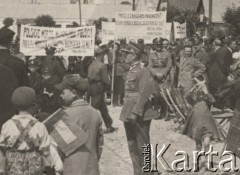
[12, 62]
[160, 65]
[99, 82]
[85, 159]
[52, 71]
[35, 79]
[137, 111]
[219, 69]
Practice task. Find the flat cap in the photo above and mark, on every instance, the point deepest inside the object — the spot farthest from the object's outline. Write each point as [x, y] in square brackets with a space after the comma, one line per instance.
[73, 81]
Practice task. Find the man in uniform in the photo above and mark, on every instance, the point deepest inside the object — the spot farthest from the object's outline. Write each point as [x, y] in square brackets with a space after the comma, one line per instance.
[137, 111]
[160, 65]
[99, 82]
[52, 71]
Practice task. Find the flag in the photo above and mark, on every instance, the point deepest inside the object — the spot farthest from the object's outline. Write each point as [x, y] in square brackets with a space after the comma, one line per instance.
[67, 134]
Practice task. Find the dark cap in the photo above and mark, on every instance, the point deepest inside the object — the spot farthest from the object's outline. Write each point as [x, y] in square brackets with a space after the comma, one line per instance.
[99, 51]
[136, 48]
[6, 36]
[50, 50]
[23, 98]
[157, 41]
[73, 81]
[140, 41]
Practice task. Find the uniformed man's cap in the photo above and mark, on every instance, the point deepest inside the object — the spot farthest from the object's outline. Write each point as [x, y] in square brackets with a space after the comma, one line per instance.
[99, 51]
[23, 98]
[32, 61]
[157, 41]
[135, 47]
[140, 41]
[73, 81]
[50, 50]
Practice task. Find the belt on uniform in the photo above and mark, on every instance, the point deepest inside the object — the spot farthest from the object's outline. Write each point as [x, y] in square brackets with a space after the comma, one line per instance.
[156, 66]
[131, 94]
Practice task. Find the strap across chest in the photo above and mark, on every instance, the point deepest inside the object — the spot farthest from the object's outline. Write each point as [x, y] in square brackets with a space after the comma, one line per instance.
[24, 133]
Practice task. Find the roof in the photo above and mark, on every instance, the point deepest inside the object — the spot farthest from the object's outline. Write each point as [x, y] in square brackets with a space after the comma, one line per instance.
[219, 8]
[60, 11]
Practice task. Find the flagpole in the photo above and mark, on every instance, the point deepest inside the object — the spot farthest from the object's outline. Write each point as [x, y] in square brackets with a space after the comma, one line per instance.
[80, 12]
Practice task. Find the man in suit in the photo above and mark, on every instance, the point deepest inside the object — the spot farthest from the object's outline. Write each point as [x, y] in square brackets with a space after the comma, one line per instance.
[219, 68]
[85, 159]
[99, 82]
[189, 68]
[137, 111]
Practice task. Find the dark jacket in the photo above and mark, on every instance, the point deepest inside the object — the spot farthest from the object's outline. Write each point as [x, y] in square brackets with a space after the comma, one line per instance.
[16, 65]
[98, 77]
[8, 83]
[219, 68]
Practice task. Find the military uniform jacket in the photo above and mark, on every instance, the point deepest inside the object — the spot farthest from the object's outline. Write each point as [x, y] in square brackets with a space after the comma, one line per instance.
[138, 89]
[98, 77]
[161, 63]
[55, 69]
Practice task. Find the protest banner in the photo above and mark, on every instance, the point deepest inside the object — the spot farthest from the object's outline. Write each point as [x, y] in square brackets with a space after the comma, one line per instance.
[168, 30]
[78, 41]
[67, 134]
[180, 30]
[108, 30]
[145, 25]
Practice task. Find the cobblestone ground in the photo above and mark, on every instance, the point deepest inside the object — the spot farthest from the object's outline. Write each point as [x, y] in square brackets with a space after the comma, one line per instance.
[115, 157]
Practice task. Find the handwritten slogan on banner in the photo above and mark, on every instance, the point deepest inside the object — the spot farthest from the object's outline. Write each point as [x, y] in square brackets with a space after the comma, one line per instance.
[180, 30]
[145, 25]
[68, 41]
[108, 30]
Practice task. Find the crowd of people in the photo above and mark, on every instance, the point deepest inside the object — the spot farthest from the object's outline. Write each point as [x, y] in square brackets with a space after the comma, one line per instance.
[32, 88]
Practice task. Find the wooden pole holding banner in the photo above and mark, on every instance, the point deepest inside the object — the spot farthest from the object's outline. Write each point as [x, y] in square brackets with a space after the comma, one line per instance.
[113, 71]
[133, 5]
[80, 12]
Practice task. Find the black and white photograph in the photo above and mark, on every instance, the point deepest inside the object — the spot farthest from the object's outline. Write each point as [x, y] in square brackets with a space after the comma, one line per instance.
[119, 87]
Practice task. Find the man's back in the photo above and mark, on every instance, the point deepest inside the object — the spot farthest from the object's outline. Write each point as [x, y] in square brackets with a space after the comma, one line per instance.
[16, 65]
[8, 82]
[89, 119]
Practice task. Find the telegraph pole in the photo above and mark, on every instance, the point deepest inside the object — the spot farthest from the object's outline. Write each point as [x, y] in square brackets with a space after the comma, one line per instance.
[210, 17]
[134, 5]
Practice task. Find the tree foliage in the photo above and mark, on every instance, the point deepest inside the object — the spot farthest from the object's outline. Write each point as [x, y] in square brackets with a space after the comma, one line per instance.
[181, 15]
[98, 22]
[45, 21]
[232, 17]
